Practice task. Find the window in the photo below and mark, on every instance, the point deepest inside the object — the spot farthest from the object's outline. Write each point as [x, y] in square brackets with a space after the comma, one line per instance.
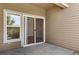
[12, 26]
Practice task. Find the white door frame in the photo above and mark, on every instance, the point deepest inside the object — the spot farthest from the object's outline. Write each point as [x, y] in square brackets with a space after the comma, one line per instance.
[23, 42]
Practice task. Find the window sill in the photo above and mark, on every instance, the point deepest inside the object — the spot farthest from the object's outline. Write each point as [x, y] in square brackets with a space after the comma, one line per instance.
[13, 40]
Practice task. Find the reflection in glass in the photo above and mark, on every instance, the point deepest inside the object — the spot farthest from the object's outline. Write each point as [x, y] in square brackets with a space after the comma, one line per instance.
[13, 26]
[13, 20]
[13, 33]
[30, 25]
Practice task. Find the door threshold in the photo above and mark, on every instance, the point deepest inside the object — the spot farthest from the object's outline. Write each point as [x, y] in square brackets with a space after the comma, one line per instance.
[33, 44]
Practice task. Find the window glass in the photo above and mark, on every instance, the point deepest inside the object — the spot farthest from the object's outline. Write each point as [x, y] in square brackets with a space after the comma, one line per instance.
[13, 26]
[13, 20]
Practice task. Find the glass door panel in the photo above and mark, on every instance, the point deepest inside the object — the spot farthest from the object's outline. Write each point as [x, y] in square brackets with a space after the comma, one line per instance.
[39, 30]
[30, 30]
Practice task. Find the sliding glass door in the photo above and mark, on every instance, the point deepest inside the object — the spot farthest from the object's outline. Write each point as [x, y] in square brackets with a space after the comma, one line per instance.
[33, 30]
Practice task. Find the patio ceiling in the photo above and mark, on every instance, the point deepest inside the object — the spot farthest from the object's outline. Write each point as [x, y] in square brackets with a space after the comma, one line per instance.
[45, 5]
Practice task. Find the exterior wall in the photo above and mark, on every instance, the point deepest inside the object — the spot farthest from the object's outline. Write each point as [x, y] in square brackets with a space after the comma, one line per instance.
[62, 26]
[20, 8]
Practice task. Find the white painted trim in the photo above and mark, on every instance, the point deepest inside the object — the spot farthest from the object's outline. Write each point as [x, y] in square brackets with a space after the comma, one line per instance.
[13, 11]
[13, 40]
[6, 11]
[44, 30]
[22, 31]
[4, 26]
[34, 16]
[13, 26]
[25, 23]
[34, 31]
[62, 5]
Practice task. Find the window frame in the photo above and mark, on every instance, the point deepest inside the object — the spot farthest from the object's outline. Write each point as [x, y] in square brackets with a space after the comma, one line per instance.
[5, 13]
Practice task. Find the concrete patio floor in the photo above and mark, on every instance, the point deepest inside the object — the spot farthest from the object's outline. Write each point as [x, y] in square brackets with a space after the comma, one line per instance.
[42, 49]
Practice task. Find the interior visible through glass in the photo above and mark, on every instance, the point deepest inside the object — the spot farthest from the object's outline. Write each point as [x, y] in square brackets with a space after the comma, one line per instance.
[39, 30]
[30, 27]
[13, 26]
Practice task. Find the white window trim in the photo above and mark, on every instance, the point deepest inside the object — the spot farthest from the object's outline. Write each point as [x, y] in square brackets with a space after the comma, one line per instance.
[5, 11]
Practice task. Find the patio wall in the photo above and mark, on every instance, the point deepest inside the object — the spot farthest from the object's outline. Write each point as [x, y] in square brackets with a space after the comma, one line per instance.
[28, 8]
[63, 26]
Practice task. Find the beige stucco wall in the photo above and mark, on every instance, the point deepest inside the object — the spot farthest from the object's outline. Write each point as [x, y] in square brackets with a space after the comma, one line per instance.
[62, 26]
[28, 8]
